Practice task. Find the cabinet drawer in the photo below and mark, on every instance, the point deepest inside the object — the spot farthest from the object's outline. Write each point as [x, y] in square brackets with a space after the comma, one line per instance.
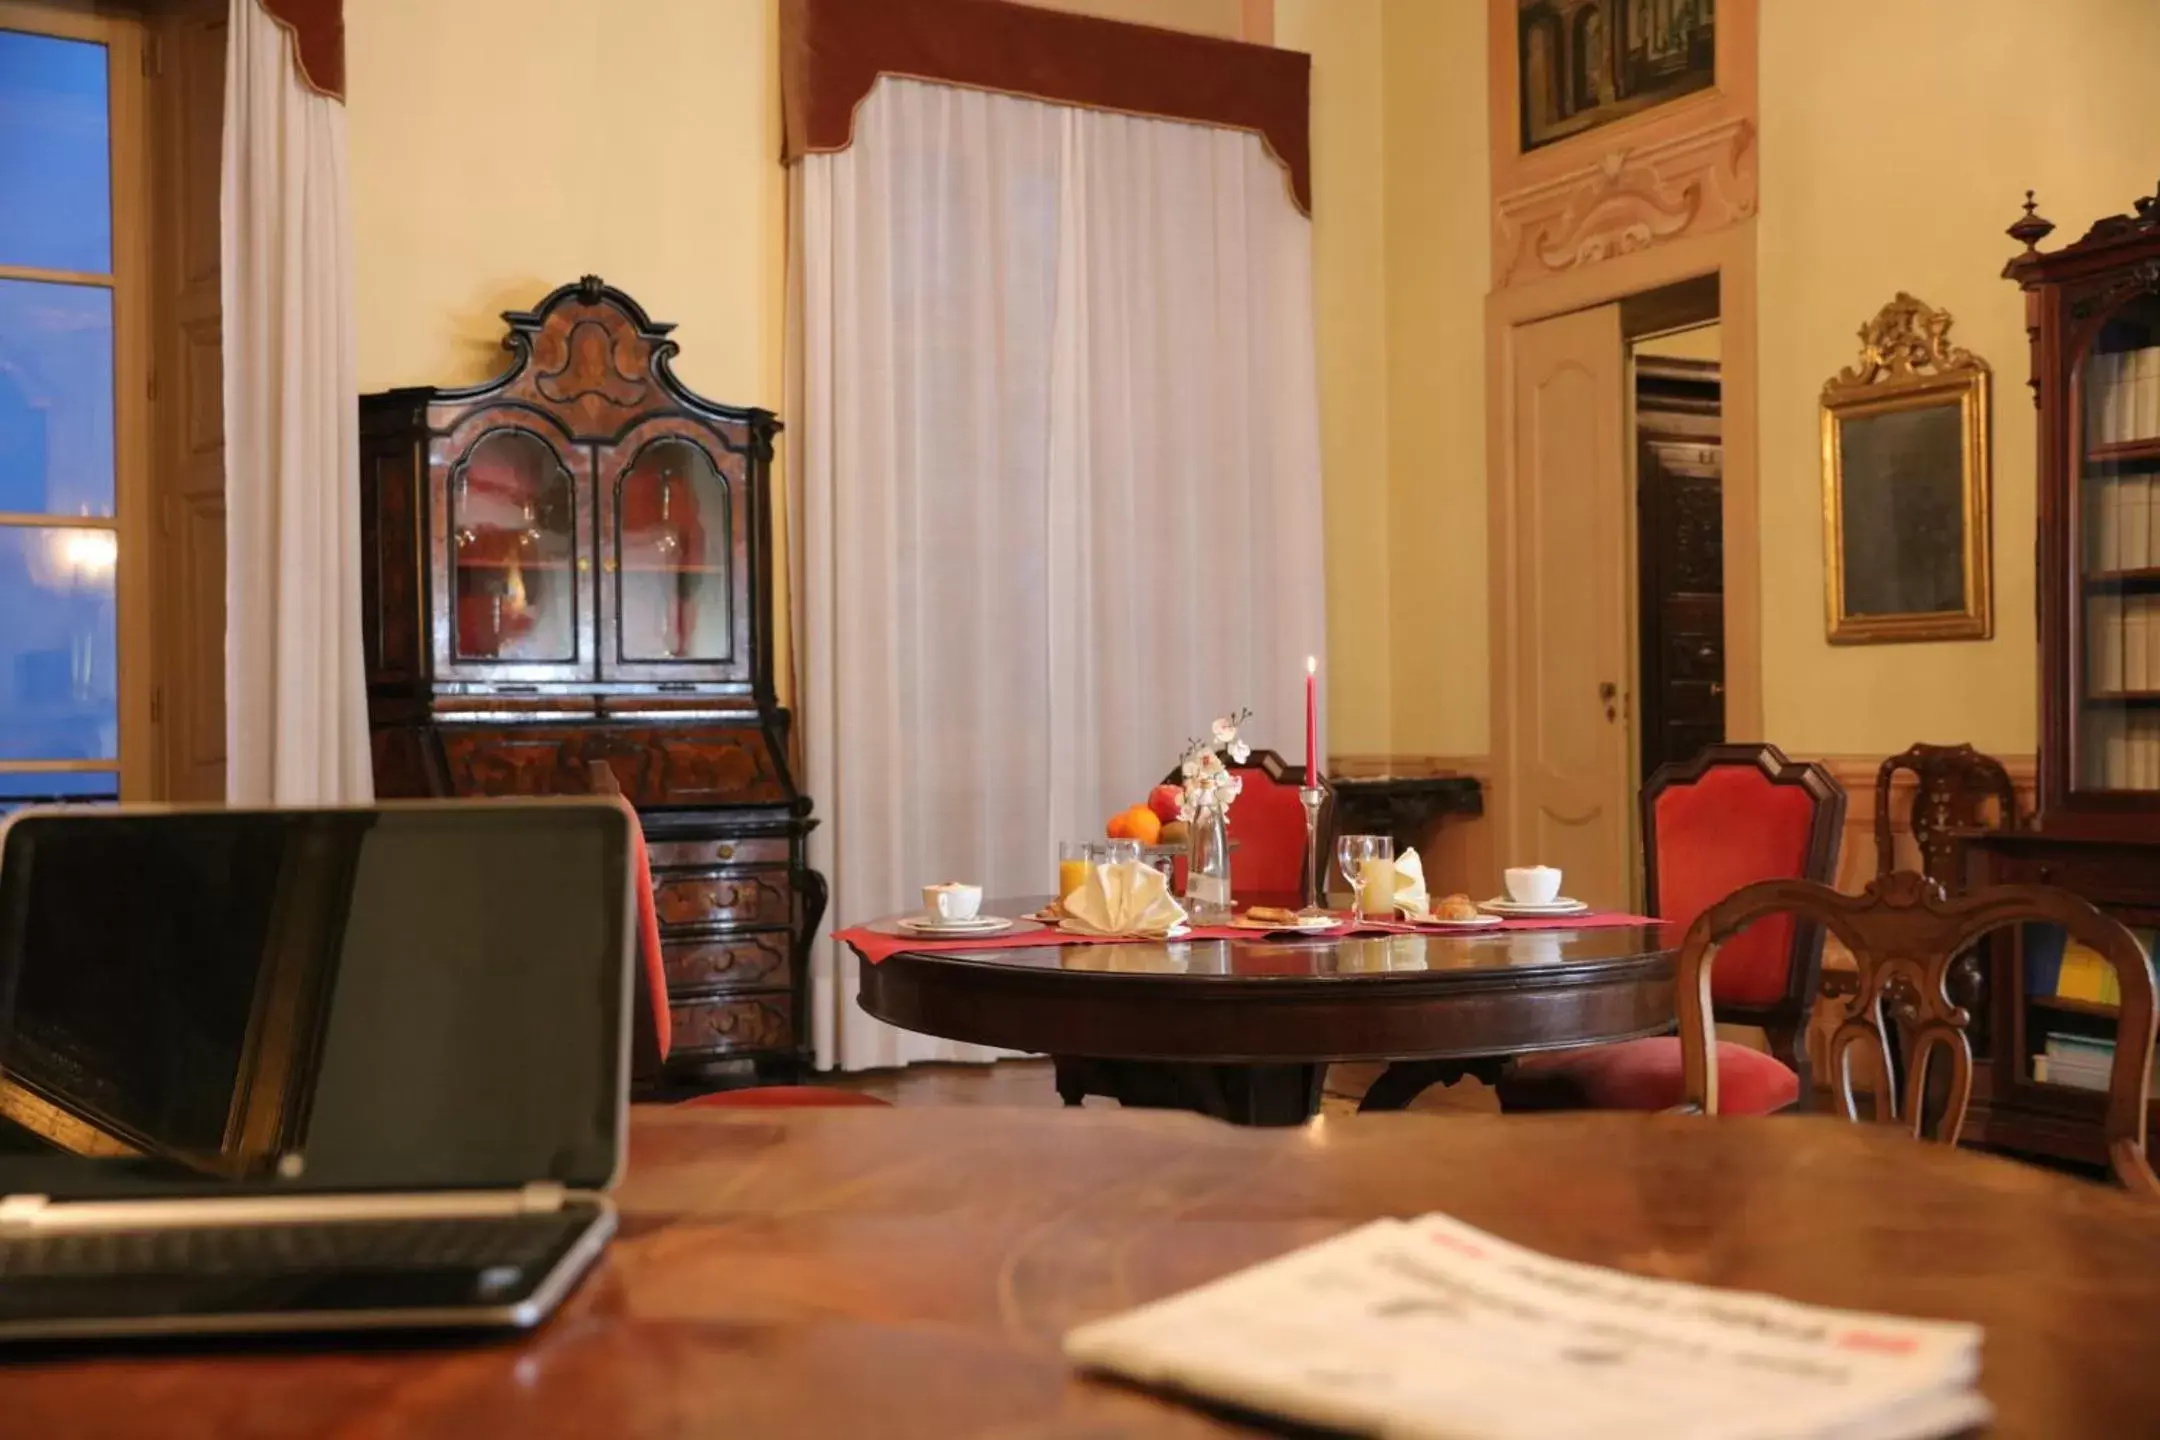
[745, 962]
[758, 850]
[748, 1022]
[758, 898]
[2103, 875]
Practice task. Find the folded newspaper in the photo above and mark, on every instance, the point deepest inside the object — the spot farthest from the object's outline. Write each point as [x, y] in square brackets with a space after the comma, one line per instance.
[1424, 1329]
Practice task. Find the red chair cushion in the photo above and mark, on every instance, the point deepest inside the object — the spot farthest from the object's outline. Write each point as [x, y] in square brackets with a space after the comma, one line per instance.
[1728, 829]
[1645, 1075]
[1267, 821]
[780, 1097]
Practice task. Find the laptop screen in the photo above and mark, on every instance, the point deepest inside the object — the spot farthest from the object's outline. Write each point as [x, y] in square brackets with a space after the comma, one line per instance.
[400, 999]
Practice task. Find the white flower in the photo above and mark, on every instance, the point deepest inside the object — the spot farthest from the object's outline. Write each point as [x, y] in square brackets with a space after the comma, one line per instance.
[1191, 766]
[1240, 752]
[1225, 730]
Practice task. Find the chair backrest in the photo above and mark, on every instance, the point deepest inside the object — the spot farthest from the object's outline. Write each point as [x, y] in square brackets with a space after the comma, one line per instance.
[1733, 815]
[1905, 933]
[651, 1029]
[1952, 785]
[1267, 827]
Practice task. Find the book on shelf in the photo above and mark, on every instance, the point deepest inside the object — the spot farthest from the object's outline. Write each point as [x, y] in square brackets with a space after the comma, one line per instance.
[2136, 521]
[2122, 396]
[2081, 1062]
[1428, 1327]
[2079, 971]
[2104, 645]
[2136, 621]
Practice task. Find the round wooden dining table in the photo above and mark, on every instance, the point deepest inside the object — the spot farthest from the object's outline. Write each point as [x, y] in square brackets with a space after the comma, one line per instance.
[909, 1273]
[1244, 1030]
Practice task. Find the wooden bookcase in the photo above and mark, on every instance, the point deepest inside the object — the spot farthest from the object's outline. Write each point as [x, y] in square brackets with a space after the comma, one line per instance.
[2092, 310]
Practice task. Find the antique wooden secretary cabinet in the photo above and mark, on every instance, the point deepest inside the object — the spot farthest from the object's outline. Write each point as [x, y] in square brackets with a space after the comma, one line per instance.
[571, 564]
[2092, 311]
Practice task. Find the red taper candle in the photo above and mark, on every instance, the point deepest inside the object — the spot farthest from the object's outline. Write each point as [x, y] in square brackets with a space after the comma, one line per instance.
[1312, 720]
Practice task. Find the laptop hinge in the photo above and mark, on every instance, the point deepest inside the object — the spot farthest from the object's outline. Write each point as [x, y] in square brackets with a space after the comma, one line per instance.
[20, 1212]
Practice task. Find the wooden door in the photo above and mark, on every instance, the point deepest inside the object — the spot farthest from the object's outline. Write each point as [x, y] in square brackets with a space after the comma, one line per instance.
[187, 68]
[1567, 672]
[1680, 560]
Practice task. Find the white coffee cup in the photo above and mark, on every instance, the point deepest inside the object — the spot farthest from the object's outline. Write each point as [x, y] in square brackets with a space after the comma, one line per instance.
[1533, 884]
[951, 901]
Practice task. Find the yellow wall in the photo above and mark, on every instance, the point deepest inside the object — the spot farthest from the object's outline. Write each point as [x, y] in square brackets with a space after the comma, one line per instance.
[1867, 190]
[1206, 17]
[1344, 38]
[1438, 260]
[502, 147]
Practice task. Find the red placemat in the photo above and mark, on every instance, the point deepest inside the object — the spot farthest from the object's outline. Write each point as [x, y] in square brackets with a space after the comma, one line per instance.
[874, 945]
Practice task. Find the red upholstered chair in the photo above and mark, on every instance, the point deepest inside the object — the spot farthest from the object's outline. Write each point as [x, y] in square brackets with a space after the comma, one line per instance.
[651, 1030]
[1734, 815]
[1267, 827]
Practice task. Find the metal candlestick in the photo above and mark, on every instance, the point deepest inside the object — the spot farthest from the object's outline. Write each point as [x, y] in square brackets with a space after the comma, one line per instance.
[1311, 797]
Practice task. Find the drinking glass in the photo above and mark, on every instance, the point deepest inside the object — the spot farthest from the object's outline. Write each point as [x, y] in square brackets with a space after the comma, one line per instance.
[1112, 852]
[1073, 865]
[1368, 861]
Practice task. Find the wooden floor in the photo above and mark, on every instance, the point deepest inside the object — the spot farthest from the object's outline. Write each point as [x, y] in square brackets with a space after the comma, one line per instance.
[1027, 1082]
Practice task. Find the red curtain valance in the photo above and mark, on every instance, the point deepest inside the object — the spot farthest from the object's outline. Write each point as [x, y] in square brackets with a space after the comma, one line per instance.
[317, 28]
[833, 51]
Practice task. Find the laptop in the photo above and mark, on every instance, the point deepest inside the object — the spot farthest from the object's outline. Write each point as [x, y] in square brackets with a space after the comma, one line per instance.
[290, 1070]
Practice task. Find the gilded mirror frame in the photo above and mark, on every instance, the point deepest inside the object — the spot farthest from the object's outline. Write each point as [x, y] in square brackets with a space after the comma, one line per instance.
[1907, 363]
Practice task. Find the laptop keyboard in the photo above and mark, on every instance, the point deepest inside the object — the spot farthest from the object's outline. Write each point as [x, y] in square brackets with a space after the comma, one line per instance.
[505, 1243]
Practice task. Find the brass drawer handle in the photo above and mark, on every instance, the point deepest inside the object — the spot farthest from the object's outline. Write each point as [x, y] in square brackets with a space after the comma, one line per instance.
[727, 852]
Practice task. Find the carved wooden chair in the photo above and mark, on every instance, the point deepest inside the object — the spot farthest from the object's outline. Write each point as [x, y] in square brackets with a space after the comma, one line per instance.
[1953, 785]
[1731, 815]
[1267, 824]
[1905, 933]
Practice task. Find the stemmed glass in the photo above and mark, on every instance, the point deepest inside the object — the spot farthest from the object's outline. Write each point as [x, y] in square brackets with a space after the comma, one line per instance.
[1353, 853]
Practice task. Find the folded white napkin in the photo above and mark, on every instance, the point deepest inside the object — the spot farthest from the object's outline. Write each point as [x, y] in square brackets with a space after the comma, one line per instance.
[1410, 896]
[1125, 898]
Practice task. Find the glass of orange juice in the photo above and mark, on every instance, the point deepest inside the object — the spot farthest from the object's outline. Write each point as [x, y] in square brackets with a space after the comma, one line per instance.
[1073, 862]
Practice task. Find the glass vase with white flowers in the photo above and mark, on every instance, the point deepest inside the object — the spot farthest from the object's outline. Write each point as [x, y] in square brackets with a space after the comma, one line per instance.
[1210, 785]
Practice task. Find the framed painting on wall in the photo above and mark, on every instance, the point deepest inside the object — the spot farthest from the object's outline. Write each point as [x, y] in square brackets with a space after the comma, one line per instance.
[1586, 63]
[1905, 484]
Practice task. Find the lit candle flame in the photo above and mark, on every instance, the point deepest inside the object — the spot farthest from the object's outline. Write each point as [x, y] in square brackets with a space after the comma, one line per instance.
[1312, 664]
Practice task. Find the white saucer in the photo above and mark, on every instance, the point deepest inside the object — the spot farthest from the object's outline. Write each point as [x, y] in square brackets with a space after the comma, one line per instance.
[1476, 922]
[980, 925]
[1501, 905]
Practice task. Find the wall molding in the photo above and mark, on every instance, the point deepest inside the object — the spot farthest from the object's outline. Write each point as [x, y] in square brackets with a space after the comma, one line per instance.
[1684, 168]
[1626, 200]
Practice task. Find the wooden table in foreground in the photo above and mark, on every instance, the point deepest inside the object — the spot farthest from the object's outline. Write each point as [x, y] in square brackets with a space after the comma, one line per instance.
[908, 1273]
[1244, 1030]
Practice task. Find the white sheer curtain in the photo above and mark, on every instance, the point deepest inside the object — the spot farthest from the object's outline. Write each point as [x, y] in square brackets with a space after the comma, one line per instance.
[295, 696]
[1056, 449]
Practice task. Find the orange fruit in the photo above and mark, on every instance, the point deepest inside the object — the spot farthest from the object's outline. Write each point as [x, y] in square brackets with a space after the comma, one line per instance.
[1138, 823]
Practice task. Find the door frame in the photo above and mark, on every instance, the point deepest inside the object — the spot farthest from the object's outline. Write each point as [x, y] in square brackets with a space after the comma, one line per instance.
[1729, 253]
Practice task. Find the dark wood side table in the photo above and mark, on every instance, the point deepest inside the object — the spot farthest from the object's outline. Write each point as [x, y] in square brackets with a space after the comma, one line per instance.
[1408, 810]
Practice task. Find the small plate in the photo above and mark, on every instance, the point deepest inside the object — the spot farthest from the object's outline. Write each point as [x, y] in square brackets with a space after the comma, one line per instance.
[1501, 905]
[1298, 926]
[980, 925]
[1175, 932]
[1476, 922]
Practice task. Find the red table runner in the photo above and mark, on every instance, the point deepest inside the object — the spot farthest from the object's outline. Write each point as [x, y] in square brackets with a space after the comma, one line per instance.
[875, 945]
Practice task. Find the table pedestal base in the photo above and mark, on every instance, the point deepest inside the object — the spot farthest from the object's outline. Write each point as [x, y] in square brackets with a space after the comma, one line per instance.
[1405, 1080]
[1240, 1094]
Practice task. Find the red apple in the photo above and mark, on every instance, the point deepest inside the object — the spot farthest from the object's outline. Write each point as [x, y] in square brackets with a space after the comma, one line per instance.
[1163, 800]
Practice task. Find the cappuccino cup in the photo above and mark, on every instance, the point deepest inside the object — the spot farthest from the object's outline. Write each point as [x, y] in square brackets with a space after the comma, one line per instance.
[1533, 884]
[951, 901]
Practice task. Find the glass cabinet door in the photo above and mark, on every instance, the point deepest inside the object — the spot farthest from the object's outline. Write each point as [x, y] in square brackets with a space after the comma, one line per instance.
[673, 526]
[514, 558]
[2116, 714]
